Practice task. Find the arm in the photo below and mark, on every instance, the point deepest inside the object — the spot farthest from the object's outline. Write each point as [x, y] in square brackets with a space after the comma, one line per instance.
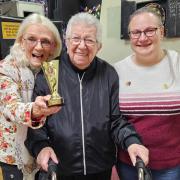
[38, 144]
[123, 133]
[12, 105]
[37, 141]
[40, 111]
[14, 108]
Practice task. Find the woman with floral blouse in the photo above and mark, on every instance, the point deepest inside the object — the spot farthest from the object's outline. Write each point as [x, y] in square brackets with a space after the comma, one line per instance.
[37, 40]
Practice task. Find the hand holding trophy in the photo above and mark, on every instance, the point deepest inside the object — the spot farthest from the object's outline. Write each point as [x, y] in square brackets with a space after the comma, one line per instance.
[51, 71]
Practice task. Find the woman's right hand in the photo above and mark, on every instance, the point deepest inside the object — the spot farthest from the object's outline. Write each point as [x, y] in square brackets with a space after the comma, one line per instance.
[40, 107]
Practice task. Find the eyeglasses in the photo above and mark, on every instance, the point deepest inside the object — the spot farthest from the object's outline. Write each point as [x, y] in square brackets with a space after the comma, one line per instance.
[87, 41]
[32, 41]
[149, 32]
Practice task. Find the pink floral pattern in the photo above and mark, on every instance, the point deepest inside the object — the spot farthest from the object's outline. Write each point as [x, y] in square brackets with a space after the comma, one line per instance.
[16, 86]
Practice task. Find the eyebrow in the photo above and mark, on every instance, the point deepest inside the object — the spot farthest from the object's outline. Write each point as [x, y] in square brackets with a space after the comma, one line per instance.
[150, 27]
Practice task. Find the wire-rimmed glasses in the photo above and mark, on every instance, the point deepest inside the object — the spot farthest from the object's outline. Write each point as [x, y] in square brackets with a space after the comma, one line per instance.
[32, 41]
[87, 41]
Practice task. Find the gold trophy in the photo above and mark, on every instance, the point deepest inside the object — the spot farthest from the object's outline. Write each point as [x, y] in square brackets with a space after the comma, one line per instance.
[51, 71]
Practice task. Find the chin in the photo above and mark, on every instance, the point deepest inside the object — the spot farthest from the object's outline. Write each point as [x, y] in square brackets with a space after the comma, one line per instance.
[143, 51]
[36, 65]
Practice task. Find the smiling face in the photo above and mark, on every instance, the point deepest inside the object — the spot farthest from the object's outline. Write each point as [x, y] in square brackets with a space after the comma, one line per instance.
[82, 45]
[145, 46]
[38, 44]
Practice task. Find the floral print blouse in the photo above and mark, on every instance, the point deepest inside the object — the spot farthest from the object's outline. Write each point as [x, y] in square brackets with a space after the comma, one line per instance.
[16, 86]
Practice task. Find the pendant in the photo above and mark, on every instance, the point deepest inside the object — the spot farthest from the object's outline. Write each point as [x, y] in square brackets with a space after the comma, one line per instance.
[128, 83]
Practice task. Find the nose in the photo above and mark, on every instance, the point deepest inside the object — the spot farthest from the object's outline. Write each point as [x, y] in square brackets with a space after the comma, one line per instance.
[82, 43]
[142, 36]
[38, 44]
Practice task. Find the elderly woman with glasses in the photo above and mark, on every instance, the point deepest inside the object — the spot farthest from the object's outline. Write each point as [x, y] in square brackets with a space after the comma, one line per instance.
[150, 97]
[37, 41]
[81, 137]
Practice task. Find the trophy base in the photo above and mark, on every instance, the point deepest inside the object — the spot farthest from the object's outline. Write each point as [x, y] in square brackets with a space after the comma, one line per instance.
[56, 102]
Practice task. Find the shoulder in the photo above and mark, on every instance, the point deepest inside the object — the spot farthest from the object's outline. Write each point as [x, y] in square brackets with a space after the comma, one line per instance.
[9, 68]
[104, 65]
[123, 64]
[107, 71]
[173, 54]
[174, 57]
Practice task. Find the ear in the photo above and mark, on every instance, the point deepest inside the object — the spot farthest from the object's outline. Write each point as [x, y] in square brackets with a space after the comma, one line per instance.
[99, 47]
[162, 32]
[53, 49]
[67, 45]
[22, 43]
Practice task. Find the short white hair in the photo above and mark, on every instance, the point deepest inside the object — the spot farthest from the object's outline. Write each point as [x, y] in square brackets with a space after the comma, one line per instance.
[87, 19]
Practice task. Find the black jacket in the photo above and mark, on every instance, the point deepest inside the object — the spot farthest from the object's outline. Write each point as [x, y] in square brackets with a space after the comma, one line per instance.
[84, 132]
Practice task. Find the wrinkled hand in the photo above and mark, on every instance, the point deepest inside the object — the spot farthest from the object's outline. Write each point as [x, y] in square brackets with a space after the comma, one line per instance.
[40, 107]
[44, 156]
[135, 150]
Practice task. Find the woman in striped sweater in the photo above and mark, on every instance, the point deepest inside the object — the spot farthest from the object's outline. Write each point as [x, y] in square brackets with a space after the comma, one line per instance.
[150, 97]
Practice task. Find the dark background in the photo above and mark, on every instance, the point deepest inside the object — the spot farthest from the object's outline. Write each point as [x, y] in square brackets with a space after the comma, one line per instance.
[172, 16]
[59, 11]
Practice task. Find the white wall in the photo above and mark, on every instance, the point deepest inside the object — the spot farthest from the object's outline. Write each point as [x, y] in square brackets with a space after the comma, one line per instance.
[114, 48]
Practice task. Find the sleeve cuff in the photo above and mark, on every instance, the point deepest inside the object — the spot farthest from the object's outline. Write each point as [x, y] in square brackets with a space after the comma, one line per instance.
[39, 147]
[38, 122]
[132, 140]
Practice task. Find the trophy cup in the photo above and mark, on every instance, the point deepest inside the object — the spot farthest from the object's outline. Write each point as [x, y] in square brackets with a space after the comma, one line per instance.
[51, 71]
